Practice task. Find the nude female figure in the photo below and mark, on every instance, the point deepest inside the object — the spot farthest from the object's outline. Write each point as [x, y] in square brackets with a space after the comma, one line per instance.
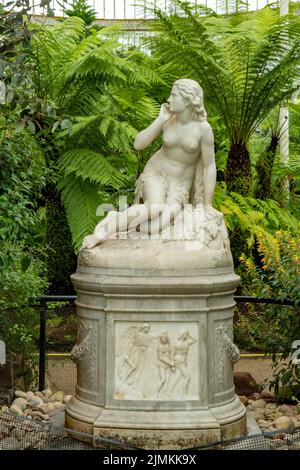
[185, 162]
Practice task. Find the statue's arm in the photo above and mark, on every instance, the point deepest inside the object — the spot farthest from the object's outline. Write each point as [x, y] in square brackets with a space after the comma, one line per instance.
[209, 164]
[148, 135]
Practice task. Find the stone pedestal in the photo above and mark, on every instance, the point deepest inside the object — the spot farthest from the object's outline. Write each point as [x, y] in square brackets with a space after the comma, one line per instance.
[155, 349]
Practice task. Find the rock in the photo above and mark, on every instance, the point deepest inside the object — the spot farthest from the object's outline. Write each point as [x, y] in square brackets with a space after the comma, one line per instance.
[283, 408]
[45, 400]
[16, 410]
[20, 403]
[269, 414]
[256, 396]
[67, 398]
[283, 422]
[267, 396]
[20, 394]
[270, 410]
[29, 395]
[10, 443]
[49, 407]
[259, 414]
[39, 395]
[48, 392]
[40, 415]
[59, 405]
[244, 400]
[296, 422]
[259, 404]
[271, 407]
[42, 408]
[264, 424]
[35, 401]
[245, 384]
[57, 396]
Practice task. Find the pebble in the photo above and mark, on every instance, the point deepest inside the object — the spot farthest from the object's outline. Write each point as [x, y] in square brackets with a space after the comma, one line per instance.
[29, 395]
[20, 394]
[20, 403]
[59, 406]
[57, 396]
[48, 392]
[16, 410]
[67, 398]
[283, 422]
[35, 401]
[260, 403]
[49, 407]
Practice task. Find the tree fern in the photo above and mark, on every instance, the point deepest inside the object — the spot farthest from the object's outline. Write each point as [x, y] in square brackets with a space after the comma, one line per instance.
[87, 164]
[89, 80]
[246, 63]
[80, 198]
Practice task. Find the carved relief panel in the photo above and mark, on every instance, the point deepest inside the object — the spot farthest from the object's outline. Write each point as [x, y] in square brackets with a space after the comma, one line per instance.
[156, 361]
[226, 354]
[84, 354]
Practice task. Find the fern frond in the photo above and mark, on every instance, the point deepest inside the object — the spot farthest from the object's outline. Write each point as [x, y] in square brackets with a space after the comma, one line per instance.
[90, 165]
[80, 199]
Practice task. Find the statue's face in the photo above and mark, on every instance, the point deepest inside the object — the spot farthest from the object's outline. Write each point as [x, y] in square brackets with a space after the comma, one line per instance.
[176, 102]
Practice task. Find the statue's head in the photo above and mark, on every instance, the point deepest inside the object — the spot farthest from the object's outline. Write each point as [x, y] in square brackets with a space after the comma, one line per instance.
[146, 327]
[164, 338]
[192, 94]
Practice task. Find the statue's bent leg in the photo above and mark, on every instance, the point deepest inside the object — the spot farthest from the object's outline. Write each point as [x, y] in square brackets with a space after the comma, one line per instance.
[165, 218]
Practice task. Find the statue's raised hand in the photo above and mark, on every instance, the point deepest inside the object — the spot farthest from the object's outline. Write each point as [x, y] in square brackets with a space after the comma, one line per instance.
[165, 113]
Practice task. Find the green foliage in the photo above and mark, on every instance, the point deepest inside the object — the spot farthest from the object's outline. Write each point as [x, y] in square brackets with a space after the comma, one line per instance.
[253, 217]
[286, 381]
[60, 258]
[101, 94]
[80, 9]
[271, 328]
[246, 64]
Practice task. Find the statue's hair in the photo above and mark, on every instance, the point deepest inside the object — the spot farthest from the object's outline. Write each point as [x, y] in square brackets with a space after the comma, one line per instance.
[192, 93]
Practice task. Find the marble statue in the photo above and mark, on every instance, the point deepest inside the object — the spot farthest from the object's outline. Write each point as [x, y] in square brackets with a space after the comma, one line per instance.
[155, 299]
[182, 171]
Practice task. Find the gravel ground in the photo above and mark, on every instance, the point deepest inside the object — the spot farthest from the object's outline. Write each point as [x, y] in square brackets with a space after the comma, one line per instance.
[259, 367]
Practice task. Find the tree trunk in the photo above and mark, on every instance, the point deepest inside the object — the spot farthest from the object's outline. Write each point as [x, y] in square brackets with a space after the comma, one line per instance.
[238, 174]
[264, 169]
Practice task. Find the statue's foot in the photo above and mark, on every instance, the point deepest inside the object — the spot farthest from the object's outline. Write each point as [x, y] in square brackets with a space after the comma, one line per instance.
[90, 242]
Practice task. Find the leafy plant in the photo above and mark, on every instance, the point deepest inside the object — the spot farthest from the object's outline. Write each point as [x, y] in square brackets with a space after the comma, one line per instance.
[246, 63]
[82, 10]
[271, 328]
[100, 94]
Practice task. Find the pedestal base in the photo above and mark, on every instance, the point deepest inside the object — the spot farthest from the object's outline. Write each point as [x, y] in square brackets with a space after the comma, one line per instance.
[158, 429]
[155, 350]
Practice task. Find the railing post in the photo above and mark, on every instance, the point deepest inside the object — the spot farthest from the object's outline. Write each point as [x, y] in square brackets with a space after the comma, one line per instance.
[42, 343]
